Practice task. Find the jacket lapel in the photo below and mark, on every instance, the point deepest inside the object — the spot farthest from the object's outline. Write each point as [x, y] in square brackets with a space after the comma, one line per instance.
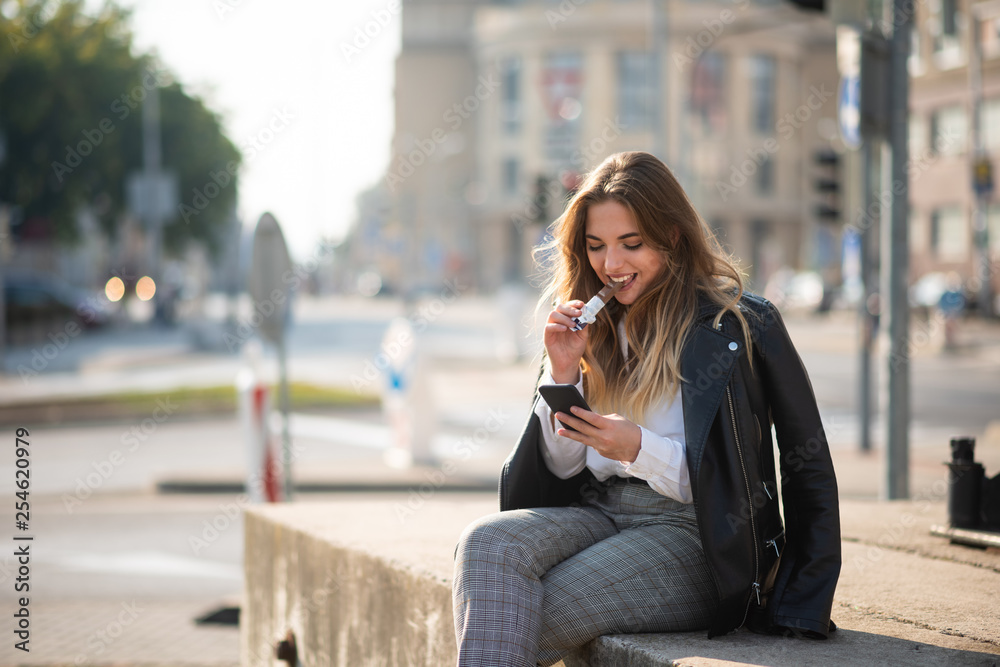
[706, 364]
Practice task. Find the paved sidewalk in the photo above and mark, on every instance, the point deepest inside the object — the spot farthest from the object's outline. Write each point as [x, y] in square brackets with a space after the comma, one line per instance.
[139, 633]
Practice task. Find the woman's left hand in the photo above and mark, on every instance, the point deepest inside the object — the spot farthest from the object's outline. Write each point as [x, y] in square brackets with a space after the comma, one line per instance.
[613, 436]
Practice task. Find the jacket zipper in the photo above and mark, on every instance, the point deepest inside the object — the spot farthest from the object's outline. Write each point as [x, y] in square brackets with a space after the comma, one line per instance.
[753, 525]
[773, 542]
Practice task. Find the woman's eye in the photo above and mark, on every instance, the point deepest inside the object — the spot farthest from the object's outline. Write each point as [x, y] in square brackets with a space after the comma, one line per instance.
[594, 248]
[633, 247]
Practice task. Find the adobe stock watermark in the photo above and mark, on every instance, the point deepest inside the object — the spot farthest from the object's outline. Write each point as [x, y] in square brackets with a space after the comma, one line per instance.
[916, 166]
[363, 35]
[793, 460]
[228, 513]
[34, 23]
[293, 278]
[101, 639]
[562, 13]
[58, 341]
[893, 533]
[464, 450]
[131, 440]
[922, 335]
[223, 7]
[582, 158]
[219, 180]
[419, 320]
[793, 120]
[122, 107]
[695, 45]
[455, 116]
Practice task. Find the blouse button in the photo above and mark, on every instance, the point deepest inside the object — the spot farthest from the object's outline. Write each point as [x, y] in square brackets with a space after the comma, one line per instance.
[733, 346]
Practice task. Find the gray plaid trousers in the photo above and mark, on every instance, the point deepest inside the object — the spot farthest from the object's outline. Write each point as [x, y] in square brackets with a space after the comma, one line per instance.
[532, 585]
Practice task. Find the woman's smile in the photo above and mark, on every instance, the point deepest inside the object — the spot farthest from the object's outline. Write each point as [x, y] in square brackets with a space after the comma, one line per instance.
[617, 252]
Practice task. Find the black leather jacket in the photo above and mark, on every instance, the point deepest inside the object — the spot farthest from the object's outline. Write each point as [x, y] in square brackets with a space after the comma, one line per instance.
[769, 575]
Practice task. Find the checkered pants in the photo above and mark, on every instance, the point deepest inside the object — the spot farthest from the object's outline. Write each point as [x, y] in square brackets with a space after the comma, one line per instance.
[532, 585]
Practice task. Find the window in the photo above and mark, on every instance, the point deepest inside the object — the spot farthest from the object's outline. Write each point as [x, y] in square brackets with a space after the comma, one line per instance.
[949, 129]
[511, 175]
[945, 28]
[765, 177]
[918, 231]
[708, 92]
[762, 93]
[989, 121]
[918, 135]
[510, 100]
[949, 234]
[989, 36]
[636, 86]
[562, 90]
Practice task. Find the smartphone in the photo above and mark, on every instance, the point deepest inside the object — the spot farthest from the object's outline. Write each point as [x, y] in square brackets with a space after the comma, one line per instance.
[561, 397]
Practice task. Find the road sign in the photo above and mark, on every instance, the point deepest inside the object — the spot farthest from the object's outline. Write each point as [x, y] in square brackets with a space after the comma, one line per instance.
[268, 282]
[849, 111]
[152, 196]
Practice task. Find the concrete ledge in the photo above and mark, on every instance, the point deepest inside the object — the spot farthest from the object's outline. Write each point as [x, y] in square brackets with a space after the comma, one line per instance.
[365, 580]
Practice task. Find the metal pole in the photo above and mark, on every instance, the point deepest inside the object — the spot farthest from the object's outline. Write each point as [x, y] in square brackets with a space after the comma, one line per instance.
[870, 171]
[151, 165]
[286, 439]
[980, 228]
[898, 412]
[660, 117]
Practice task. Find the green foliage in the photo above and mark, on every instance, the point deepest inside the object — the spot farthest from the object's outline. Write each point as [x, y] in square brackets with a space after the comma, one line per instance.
[71, 92]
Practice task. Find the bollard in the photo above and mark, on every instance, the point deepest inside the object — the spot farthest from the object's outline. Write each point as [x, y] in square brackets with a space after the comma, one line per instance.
[263, 480]
[407, 403]
[965, 490]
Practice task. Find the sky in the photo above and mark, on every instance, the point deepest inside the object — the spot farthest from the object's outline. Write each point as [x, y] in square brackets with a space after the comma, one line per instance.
[290, 75]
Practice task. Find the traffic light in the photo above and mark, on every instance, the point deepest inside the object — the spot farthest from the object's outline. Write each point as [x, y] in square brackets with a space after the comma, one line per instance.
[826, 185]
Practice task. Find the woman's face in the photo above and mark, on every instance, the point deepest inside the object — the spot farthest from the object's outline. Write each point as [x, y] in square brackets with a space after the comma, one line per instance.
[616, 252]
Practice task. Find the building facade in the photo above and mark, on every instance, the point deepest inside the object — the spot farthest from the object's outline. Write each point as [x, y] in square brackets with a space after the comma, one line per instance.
[942, 202]
[736, 97]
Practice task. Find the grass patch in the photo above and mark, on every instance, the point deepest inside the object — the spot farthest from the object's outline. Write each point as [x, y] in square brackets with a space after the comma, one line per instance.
[186, 400]
[300, 396]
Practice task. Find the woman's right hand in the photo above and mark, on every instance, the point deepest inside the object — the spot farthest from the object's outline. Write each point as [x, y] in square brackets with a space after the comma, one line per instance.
[565, 347]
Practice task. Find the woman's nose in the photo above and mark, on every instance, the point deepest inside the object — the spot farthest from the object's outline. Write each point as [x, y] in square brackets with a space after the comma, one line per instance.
[613, 261]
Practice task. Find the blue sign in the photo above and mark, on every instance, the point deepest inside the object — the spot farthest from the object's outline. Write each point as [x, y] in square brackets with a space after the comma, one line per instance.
[849, 111]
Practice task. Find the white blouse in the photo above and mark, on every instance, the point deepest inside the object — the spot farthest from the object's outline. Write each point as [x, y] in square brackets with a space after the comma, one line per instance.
[662, 459]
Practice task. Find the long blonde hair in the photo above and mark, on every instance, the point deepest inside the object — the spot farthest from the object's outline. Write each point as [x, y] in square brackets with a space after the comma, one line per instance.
[657, 324]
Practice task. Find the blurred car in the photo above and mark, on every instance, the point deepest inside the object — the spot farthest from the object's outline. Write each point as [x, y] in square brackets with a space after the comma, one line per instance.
[791, 290]
[927, 291]
[36, 302]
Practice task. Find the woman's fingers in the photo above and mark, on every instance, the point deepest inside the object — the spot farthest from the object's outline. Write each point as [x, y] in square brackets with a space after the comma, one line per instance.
[582, 420]
[565, 312]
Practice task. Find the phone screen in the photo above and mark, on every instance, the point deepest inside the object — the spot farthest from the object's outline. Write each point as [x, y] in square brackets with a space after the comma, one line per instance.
[561, 397]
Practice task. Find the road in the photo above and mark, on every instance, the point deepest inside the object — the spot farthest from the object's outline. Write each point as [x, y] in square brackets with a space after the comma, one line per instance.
[105, 539]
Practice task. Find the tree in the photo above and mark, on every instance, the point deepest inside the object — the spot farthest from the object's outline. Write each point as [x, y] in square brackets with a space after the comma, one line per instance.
[71, 92]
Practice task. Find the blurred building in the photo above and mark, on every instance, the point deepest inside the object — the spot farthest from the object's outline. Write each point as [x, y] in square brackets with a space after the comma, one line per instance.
[941, 150]
[501, 106]
[433, 147]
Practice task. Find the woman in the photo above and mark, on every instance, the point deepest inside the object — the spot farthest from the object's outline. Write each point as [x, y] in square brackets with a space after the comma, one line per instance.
[660, 512]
